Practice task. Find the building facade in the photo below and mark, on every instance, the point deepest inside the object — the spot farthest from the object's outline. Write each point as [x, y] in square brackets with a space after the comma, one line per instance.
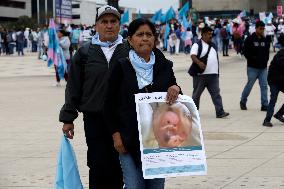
[11, 10]
[84, 12]
[232, 6]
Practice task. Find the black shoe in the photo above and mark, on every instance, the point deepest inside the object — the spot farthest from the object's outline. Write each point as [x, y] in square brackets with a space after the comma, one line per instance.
[263, 108]
[267, 123]
[280, 118]
[224, 114]
[243, 106]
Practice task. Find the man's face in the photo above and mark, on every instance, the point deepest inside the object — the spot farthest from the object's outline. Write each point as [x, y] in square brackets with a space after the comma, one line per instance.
[207, 37]
[108, 27]
[260, 30]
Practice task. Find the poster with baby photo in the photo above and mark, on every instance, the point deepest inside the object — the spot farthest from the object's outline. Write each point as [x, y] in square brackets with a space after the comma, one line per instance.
[171, 140]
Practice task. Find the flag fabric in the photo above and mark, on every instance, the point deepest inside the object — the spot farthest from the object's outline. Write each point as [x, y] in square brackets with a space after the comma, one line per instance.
[67, 173]
[53, 44]
[55, 53]
[139, 14]
[125, 17]
[166, 34]
[157, 16]
[185, 23]
[169, 14]
[243, 14]
[182, 12]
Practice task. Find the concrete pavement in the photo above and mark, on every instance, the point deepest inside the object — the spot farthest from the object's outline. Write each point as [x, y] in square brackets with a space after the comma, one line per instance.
[241, 153]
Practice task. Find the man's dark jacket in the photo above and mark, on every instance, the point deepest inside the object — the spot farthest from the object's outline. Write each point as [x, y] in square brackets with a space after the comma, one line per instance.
[276, 71]
[88, 80]
[256, 51]
[120, 105]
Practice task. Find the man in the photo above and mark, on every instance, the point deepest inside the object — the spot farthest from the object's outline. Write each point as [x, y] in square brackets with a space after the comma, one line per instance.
[256, 51]
[85, 92]
[205, 71]
[276, 85]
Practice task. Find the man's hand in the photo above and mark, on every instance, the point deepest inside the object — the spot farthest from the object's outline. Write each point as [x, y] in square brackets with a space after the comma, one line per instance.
[68, 130]
[201, 65]
[118, 145]
[172, 94]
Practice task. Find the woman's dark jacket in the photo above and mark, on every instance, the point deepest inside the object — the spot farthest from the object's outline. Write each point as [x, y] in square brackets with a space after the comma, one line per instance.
[276, 71]
[120, 112]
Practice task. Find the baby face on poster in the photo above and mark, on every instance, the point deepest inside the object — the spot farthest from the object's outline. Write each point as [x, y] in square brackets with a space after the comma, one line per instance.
[171, 125]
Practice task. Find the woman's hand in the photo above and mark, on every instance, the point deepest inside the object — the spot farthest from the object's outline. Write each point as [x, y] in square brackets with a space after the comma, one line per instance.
[172, 94]
[117, 141]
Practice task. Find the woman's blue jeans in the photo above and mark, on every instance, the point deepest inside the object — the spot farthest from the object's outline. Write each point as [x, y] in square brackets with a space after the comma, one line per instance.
[133, 176]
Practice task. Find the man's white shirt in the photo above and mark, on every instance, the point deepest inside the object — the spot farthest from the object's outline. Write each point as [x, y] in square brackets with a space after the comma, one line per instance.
[212, 61]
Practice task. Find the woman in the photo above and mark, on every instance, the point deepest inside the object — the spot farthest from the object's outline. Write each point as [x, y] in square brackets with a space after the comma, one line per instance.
[145, 70]
[188, 41]
[64, 43]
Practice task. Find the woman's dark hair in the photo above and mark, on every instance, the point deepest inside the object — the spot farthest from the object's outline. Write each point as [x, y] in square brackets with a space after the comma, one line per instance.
[135, 24]
[64, 33]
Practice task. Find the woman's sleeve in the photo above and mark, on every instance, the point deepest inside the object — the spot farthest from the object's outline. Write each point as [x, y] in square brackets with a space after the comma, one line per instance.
[172, 75]
[112, 99]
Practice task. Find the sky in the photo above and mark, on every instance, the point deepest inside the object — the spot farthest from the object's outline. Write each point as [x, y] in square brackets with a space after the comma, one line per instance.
[148, 6]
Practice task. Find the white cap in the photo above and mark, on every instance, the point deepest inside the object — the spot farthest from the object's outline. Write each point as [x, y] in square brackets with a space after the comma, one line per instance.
[107, 10]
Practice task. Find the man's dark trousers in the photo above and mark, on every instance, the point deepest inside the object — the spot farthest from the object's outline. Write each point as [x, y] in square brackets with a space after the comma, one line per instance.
[102, 159]
[211, 82]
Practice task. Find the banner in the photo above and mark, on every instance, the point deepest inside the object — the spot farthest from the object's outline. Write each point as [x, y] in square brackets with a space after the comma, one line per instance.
[171, 141]
[279, 10]
[63, 11]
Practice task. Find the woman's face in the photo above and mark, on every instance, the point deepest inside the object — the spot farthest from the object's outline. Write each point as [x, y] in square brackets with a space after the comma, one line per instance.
[59, 34]
[172, 128]
[143, 40]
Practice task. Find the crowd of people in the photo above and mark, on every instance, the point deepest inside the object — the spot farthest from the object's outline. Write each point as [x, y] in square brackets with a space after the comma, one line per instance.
[108, 59]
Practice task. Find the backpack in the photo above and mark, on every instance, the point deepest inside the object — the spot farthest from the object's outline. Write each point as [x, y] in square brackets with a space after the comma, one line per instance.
[194, 69]
[224, 33]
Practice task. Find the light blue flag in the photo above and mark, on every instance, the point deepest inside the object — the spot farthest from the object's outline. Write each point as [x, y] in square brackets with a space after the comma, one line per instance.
[185, 23]
[67, 173]
[170, 14]
[167, 32]
[139, 14]
[157, 16]
[125, 17]
[163, 18]
[182, 12]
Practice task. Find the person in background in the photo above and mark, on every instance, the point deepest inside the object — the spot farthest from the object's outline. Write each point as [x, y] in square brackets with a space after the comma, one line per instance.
[172, 42]
[28, 43]
[205, 71]
[270, 32]
[144, 70]
[276, 84]
[64, 43]
[20, 42]
[188, 41]
[225, 36]
[75, 35]
[256, 51]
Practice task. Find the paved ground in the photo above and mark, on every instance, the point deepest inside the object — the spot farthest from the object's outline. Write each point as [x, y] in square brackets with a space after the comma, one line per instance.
[240, 152]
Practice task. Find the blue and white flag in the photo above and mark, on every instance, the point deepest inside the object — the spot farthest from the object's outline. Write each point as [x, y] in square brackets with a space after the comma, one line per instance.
[67, 173]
